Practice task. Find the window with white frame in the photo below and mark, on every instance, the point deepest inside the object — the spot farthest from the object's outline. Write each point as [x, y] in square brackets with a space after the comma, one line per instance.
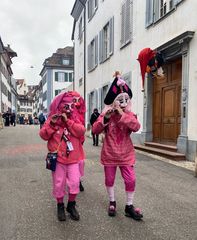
[126, 22]
[92, 7]
[157, 9]
[62, 77]
[65, 61]
[106, 41]
[93, 54]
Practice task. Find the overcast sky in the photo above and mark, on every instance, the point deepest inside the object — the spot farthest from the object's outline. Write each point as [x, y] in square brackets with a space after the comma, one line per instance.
[35, 29]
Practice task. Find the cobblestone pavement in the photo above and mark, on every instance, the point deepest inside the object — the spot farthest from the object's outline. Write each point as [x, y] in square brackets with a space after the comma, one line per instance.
[166, 194]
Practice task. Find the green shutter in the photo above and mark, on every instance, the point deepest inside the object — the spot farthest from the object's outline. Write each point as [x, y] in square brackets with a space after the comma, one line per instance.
[66, 77]
[56, 76]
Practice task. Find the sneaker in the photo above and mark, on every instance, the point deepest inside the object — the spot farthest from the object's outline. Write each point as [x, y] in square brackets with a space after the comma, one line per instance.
[130, 211]
[112, 209]
[60, 212]
[73, 211]
[81, 187]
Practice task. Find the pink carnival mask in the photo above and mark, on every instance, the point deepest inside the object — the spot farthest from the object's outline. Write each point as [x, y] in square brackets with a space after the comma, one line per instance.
[121, 101]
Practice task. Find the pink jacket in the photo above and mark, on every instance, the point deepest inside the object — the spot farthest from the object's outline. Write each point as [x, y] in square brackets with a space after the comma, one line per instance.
[117, 148]
[53, 135]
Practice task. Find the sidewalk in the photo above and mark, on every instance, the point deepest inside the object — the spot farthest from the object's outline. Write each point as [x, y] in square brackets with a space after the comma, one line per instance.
[184, 164]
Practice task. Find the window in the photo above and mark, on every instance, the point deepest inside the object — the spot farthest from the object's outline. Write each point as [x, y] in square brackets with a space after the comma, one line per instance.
[61, 77]
[92, 7]
[126, 22]
[65, 62]
[157, 9]
[57, 91]
[93, 54]
[106, 41]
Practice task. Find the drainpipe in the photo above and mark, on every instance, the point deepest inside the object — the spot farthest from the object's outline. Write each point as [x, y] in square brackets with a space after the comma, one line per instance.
[74, 67]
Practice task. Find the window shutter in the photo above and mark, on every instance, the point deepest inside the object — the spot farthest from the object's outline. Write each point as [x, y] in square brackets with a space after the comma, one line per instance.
[128, 22]
[95, 98]
[149, 12]
[70, 77]
[89, 15]
[96, 3]
[56, 76]
[101, 46]
[96, 50]
[100, 99]
[175, 2]
[88, 106]
[111, 30]
[123, 19]
[89, 57]
[66, 77]
[156, 10]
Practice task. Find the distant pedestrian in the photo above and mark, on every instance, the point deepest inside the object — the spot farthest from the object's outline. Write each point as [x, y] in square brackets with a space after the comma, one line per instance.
[63, 131]
[93, 119]
[118, 122]
[6, 116]
[13, 119]
[42, 118]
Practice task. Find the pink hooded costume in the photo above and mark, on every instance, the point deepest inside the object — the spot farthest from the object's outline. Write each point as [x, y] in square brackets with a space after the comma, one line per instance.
[53, 133]
[67, 169]
[118, 122]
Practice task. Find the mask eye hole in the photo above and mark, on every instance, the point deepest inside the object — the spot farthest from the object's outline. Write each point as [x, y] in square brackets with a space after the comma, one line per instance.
[66, 106]
[72, 105]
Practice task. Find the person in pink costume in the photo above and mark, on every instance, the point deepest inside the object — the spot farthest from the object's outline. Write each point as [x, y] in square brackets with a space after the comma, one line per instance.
[81, 109]
[117, 121]
[64, 129]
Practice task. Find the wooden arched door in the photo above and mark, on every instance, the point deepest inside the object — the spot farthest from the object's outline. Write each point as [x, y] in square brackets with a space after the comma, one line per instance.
[167, 104]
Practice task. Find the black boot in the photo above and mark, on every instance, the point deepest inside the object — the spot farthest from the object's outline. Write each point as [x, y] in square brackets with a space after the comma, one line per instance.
[112, 209]
[60, 212]
[131, 212]
[73, 211]
[81, 187]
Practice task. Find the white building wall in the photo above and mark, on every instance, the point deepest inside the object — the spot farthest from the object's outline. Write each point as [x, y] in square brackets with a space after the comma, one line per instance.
[180, 20]
[79, 58]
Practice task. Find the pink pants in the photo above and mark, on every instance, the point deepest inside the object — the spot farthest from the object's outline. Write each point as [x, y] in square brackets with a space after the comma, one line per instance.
[81, 167]
[65, 176]
[127, 172]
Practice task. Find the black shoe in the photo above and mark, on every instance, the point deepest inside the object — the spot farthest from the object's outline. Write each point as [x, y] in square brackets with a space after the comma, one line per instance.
[73, 211]
[60, 212]
[130, 211]
[112, 209]
[81, 187]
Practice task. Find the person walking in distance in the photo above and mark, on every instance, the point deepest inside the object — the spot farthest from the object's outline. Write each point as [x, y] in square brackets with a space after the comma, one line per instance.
[93, 119]
[63, 131]
[118, 122]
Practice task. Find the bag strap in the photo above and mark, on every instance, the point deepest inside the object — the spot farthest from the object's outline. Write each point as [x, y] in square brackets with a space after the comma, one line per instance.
[60, 143]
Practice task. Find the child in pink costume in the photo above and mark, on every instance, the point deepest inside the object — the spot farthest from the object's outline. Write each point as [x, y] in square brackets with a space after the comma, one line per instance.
[64, 129]
[81, 109]
[118, 122]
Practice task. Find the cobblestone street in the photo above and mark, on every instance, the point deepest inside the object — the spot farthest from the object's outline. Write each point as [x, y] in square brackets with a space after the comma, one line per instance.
[166, 193]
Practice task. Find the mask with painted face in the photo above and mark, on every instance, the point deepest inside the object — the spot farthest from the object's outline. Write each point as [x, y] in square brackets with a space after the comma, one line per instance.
[122, 101]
